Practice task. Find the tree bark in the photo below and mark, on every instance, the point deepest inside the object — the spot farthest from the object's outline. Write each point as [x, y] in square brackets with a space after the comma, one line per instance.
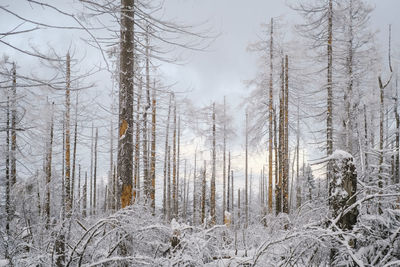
[125, 151]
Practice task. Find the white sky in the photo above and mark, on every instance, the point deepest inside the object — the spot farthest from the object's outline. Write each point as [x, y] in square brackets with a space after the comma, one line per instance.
[222, 70]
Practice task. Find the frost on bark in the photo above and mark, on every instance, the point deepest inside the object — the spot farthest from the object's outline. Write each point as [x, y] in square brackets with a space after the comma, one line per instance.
[68, 204]
[271, 113]
[153, 152]
[48, 169]
[125, 150]
[212, 187]
[285, 178]
[14, 127]
[343, 188]
[166, 158]
[203, 194]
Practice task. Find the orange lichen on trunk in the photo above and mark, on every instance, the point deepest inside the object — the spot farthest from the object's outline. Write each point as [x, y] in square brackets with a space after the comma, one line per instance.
[126, 195]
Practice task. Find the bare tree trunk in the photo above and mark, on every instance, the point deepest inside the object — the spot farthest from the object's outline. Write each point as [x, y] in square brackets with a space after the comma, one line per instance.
[239, 220]
[329, 113]
[146, 176]
[166, 159]
[169, 185]
[14, 127]
[74, 151]
[224, 167]
[153, 152]
[285, 189]
[277, 162]
[177, 166]
[48, 168]
[8, 177]
[84, 204]
[212, 187]
[174, 185]
[95, 172]
[233, 199]
[229, 183]
[203, 195]
[397, 148]
[298, 182]
[278, 201]
[125, 150]
[194, 189]
[68, 206]
[271, 102]
[136, 191]
[246, 176]
[90, 188]
[79, 188]
[184, 192]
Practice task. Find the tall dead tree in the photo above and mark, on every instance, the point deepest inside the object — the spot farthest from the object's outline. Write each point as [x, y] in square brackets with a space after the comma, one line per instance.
[153, 152]
[13, 102]
[91, 174]
[178, 144]
[224, 165]
[68, 206]
[195, 189]
[285, 180]
[136, 182]
[168, 206]
[74, 150]
[49, 155]
[84, 193]
[246, 206]
[125, 151]
[278, 195]
[233, 198]
[270, 107]
[95, 172]
[212, 187]
[203, 194]
[229, 183]
[329, 99]
[396, 178]
[174, 184]
[8, 178]
[146, 176]
[166, 159]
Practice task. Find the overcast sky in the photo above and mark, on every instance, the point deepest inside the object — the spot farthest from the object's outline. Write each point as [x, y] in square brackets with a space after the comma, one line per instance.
[221, 70]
